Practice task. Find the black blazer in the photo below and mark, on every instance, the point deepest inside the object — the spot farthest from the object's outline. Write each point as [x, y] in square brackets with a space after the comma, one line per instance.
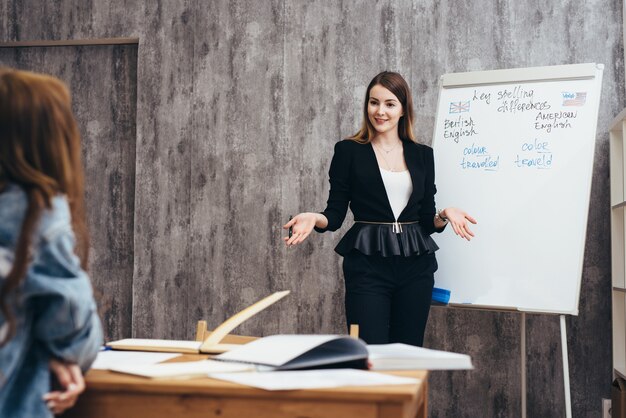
[355, 181]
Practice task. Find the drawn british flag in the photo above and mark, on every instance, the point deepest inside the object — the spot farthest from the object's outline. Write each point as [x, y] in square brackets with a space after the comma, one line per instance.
[460, 107]
[574, 99]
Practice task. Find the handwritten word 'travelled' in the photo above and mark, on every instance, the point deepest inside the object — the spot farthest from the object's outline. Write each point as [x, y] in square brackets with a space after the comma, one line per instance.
[486, 162]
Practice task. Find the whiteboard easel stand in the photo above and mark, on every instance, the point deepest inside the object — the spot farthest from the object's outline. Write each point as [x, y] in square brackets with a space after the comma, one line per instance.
[566, 388]
[564, 356]
[568, 399]
[523, 362]
[454, 91]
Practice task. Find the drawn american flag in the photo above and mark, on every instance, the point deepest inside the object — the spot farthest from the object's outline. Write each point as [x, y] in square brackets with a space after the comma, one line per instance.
[574, 99]
[459, 107]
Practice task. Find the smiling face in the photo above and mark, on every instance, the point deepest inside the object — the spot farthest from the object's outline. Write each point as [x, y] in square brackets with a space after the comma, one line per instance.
[384, 110]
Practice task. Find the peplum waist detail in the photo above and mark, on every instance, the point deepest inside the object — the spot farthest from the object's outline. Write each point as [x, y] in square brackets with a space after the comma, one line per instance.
[380, 239]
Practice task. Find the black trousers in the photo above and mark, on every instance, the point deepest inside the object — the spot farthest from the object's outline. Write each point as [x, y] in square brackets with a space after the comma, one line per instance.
[389, 297]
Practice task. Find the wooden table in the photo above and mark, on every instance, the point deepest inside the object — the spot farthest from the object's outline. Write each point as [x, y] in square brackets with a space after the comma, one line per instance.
[113, 395]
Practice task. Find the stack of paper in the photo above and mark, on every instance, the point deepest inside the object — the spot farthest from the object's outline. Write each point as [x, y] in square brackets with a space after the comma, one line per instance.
[182, 370]
[167, 346]
[313, 379]
[109, 359]
[407, 357]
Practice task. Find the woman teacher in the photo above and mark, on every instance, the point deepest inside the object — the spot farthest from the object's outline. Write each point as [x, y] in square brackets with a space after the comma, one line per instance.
[388, 180]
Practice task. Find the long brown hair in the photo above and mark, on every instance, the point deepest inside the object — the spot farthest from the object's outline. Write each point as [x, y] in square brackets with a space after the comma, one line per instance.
[40, 152]
[398, 86]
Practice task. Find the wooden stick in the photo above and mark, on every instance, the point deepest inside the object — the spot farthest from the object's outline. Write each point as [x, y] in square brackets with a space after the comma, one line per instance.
[354, 331]
[227, 326]
[200, 330]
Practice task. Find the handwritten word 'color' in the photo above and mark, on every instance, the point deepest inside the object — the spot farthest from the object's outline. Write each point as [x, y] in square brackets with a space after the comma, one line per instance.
[537, 145]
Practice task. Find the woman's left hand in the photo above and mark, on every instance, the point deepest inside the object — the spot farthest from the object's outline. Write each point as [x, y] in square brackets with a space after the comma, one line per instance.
[459, 220]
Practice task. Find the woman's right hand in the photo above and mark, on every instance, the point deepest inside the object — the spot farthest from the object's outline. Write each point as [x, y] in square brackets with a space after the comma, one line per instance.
[71, 382]
[302, 224]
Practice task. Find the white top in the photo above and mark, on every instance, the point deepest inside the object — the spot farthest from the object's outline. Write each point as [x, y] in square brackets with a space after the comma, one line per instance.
[399, 188]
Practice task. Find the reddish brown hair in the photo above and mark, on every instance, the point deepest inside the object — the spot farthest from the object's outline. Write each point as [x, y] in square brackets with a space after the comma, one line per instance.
[40, 152]
[398, 86]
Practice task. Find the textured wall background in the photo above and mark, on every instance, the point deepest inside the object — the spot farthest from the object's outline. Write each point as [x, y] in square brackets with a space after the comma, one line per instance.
[103, 80]
[239, 104]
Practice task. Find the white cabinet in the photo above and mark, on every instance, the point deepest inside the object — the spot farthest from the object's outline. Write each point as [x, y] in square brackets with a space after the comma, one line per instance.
[618, 255]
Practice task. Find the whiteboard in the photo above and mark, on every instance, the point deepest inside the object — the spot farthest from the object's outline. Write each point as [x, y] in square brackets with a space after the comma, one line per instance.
[515, 149]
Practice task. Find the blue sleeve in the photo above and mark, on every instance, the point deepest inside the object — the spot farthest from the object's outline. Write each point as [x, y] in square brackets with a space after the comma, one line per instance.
[339, 195]
[60, 295]
[427, 209]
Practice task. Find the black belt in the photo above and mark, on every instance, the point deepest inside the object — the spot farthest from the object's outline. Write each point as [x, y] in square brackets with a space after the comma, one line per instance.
[396, 226]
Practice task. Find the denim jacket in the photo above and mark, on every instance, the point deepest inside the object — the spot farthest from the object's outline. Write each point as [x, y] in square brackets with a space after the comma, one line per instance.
[55, 309]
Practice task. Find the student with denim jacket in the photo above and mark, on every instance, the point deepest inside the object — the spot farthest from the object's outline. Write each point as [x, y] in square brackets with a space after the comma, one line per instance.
[50, 332]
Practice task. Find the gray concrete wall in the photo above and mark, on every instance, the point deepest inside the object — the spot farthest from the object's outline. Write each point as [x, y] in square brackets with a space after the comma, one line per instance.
[103, 80]
[239, 104]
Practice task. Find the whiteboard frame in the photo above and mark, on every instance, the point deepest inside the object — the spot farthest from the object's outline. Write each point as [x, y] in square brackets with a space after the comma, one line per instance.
[522, 75]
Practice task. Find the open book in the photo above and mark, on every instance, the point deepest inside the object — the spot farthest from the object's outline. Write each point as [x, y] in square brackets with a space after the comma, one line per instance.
[407, 357]
[211, 345]
[296, 352]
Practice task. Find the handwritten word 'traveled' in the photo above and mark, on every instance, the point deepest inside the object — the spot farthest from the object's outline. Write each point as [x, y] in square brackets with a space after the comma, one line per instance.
[536, 154]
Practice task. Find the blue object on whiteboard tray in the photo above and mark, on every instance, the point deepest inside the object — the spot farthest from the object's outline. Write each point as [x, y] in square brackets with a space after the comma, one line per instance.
[441, 295]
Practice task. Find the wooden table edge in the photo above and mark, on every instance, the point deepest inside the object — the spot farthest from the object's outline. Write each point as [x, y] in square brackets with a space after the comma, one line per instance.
[102, 380]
